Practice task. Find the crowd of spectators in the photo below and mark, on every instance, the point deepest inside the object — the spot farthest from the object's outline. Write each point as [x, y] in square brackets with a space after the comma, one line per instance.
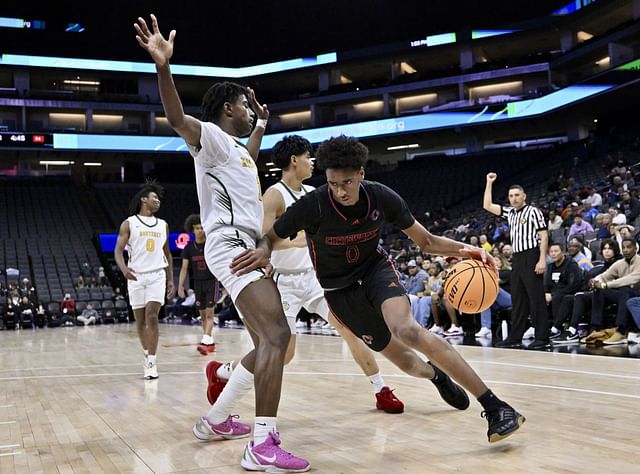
[590, 229]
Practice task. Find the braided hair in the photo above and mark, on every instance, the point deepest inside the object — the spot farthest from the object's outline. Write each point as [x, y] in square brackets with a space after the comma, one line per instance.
[215, 98]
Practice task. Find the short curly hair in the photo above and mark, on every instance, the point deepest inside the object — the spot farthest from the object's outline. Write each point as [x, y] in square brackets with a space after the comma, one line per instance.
[342, 153]
[287, 147]
[191, 221]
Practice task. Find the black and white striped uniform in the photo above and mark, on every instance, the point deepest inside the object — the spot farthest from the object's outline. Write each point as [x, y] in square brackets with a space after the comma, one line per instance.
[527, 287]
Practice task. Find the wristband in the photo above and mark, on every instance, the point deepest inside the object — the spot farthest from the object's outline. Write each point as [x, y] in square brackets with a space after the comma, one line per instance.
[261, 123]
[603, 284]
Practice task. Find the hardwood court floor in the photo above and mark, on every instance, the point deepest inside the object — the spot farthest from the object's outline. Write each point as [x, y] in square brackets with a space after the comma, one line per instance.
[72, 400]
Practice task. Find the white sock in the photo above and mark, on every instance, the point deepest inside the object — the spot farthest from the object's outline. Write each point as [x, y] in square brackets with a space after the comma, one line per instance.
[225, 370]
[151, 359]
[206, 339]
[377, 381]
[554, 330]
[572, 330]
[146, 353]
[240, 382]
[263, 426]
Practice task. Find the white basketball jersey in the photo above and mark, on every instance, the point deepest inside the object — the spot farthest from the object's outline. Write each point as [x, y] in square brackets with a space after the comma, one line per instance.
[295, 259]
[147, 236]
[227, 183]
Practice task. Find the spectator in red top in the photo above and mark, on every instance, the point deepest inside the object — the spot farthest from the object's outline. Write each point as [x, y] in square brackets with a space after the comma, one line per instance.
[68, 305]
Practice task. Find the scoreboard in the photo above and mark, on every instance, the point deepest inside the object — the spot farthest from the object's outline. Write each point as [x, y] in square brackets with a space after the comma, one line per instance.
[26, 140]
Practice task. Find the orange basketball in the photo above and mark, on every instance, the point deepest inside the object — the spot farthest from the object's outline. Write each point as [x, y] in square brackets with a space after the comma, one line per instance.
[471, 286]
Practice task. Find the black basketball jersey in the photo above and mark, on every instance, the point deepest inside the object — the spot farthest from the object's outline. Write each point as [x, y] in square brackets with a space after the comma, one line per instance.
[343, 241]
[197, 263]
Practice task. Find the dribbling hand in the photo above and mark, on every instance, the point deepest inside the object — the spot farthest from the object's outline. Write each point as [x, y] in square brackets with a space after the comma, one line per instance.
[478, 253]
[154, 43]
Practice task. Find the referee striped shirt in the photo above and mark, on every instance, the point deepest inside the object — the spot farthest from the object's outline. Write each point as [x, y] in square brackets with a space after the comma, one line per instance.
[524, 225]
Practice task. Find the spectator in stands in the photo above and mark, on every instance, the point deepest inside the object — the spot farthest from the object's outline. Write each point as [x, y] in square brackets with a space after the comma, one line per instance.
[603, 221]
[619, 283]
[501, 232]
[27, 312]
[593, 199]
[555, 221]
[503, 300]
[633, 305]
[88, 316]
[562, 281]
[484, 243]
[414, 284]
[10, 315]
[86, 271]
[629, 180]
[507, 255]
[580, 226]
[68, 304]
[622, 232]
[80, 282]
[102, 278]
[630, 206]
[617, 217]
[473, 240]
[575, 249]
[41, 316]
[118, 294]
[187, 306]
[68, 308]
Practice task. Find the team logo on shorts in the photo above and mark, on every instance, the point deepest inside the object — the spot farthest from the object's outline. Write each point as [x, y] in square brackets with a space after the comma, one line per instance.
[367, 339]
[285, 305]
[375, 214]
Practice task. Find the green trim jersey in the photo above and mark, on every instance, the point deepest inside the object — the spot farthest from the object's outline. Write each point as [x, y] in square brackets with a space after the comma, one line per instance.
[227, 183]
[147, 236]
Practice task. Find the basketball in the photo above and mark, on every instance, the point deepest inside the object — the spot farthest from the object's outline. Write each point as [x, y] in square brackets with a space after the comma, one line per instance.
[471, 286]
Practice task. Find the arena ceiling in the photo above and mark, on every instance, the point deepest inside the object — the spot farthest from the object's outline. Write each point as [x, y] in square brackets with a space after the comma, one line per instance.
[243, 32]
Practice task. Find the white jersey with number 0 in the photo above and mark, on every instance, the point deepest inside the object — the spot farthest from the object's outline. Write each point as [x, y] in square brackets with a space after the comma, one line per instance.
[147, 236]
[293, 259]
[227, 183]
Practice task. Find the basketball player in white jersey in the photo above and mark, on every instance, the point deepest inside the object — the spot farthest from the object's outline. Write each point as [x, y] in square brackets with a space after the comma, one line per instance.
[149, 272]
[231, 213]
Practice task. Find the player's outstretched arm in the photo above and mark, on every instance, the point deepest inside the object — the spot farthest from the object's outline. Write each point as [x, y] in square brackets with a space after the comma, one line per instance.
[161, 50]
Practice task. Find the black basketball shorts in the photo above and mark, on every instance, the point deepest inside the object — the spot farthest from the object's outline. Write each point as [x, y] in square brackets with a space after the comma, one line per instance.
[206, 293]
[359, 306]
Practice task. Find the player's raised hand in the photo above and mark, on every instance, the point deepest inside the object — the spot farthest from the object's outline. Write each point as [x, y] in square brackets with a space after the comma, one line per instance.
[153, 42]
[261, 110]
[491, 177]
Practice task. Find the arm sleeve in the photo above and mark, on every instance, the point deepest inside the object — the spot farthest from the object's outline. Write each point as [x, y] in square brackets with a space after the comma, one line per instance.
[302, 215]
[539, 219]
[215, 146]
[395, 209]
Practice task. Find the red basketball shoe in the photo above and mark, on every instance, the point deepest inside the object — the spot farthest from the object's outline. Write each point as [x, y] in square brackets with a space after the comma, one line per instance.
[387, 401]
[216, 384]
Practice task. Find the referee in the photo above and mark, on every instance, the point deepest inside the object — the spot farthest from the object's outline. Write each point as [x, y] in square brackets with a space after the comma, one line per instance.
[529, 241]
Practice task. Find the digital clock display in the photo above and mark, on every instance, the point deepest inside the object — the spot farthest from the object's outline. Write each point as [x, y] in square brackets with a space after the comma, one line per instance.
[26, 140]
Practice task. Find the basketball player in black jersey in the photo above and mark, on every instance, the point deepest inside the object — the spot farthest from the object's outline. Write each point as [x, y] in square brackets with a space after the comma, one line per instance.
[205, 284]
[342, 222]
